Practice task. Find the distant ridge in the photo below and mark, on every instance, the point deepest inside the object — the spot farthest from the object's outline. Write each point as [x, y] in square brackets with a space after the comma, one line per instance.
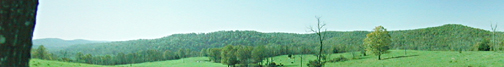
[54, 44]
[445, 37]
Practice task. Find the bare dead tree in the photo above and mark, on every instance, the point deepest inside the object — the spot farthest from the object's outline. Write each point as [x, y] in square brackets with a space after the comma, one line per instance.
[495, 46]
[318, 31]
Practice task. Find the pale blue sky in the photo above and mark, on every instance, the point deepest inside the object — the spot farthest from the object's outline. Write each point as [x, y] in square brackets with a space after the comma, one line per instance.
[118, 20]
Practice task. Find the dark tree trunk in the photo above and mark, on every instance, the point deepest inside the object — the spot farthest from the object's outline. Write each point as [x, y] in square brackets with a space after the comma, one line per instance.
[363, 52]
[301, 64]
[17, 21]
[379, 55]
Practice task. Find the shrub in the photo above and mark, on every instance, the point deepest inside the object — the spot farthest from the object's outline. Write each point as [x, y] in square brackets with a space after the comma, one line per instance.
[273, 64]
[339, 59]
[315, 63]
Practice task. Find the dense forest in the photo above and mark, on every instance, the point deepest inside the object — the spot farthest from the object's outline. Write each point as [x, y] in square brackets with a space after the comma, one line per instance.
[432, 38]
[449, 37]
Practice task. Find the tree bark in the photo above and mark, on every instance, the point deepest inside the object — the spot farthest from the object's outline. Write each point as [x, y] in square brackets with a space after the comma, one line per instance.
[17, 22]
[379, 55]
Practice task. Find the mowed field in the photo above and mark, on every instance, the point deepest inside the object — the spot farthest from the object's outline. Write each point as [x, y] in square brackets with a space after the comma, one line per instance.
[186, 62]
[396, 58]
[413, 58]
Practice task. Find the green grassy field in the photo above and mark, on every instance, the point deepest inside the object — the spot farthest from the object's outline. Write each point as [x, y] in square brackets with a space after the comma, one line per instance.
[50, 63]
[186, 62]
[396, 58]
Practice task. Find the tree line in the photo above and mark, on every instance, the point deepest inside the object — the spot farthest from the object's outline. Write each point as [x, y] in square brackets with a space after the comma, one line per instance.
[252, 56]
[119, 58]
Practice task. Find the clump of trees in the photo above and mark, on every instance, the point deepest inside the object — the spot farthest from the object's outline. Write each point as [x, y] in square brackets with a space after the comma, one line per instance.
[378, 41]
[119, 58]
[42, 53]
[251, 56]
[230, 55]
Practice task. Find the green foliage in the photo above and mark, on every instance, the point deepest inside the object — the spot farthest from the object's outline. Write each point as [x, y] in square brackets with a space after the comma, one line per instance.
[56, 44]
[244, 54]
[341, 58]
[42, 53]
[378, 42]
[183, 53]
[203, 52]
[446, 37]
[122, 58]
[484, 45]
[258, 54]
[79, 57]
[315, 63]
[228, 55]
[215, 54]
[431, 58]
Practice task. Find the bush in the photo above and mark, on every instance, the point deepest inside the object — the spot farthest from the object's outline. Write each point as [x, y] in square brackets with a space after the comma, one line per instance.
[315, 63]
[273, 64]
[339, 59]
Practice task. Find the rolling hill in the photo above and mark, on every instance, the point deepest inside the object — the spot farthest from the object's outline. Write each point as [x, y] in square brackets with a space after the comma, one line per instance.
[445, 37]
[55, 44]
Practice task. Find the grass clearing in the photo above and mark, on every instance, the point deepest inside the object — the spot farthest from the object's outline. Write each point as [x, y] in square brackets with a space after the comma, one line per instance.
[414, 58]
[51, 63]
[395, 58]
[186, 62]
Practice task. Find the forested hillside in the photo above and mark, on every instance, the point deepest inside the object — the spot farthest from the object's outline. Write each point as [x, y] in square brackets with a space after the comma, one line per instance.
[446, 37]
[55, 44]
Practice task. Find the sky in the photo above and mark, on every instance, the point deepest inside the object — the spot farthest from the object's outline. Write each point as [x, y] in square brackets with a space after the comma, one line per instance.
[120, 20]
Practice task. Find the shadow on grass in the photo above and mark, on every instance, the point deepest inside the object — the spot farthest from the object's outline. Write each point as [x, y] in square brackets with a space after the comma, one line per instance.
[399, 57]
[359, 58]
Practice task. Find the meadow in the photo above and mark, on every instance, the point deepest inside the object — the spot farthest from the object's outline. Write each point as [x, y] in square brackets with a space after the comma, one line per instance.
[396, 58]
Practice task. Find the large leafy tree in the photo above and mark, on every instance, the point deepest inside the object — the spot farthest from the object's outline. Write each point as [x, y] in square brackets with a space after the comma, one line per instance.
[17, 21]
[243, 53]
[378, 41]
[214, 54]
[258, 54]
[228, 55]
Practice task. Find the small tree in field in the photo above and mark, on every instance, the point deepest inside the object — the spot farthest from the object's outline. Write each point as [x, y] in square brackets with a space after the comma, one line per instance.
[378, 41]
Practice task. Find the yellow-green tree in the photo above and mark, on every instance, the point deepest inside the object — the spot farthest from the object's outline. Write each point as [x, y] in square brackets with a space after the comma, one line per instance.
[378, 41]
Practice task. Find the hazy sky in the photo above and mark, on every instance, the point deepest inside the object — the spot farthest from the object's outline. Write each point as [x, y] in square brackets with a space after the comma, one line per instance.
[118, 20]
